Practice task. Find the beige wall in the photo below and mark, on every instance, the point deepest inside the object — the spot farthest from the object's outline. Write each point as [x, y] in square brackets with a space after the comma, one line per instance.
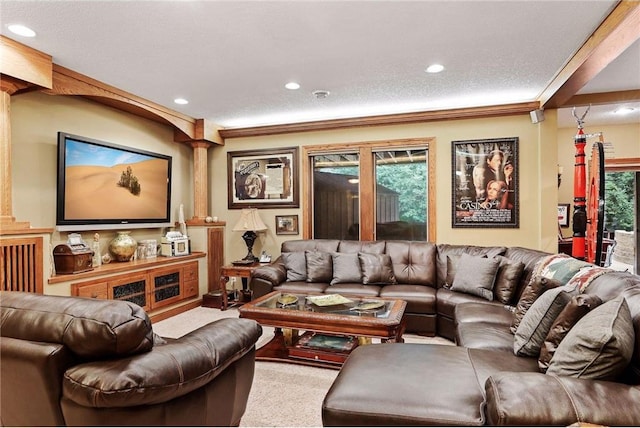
[538, 187]
[625, 143]
[35, 120]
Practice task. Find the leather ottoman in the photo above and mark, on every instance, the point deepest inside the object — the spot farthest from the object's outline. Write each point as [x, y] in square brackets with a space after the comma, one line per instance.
[414, 384]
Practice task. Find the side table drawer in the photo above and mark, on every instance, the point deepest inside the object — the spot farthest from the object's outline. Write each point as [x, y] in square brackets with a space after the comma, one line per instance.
[190, 272]
[190, 289]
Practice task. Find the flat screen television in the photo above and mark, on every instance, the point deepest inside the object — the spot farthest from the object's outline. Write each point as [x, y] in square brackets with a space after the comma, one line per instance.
[107, 186]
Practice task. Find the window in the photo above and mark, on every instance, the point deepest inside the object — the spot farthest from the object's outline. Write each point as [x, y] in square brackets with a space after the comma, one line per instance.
[371, 190]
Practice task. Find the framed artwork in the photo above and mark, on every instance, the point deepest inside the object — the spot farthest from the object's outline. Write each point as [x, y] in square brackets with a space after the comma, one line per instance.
[563, 214]
[263, 178]
[485, 183]
[287, 224]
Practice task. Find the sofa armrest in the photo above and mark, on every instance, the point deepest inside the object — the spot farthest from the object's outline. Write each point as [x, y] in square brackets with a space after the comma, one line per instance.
[165, 372]
[539, 399]
[264, 278]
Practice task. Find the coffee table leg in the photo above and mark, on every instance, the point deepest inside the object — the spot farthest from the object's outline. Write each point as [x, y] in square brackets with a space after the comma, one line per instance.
[290, 336]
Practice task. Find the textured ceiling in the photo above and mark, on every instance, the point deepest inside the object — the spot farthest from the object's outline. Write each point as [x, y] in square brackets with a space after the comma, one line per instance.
[231, 59]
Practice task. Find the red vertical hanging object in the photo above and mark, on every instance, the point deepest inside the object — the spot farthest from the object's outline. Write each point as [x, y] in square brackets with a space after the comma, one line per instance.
[579, 196]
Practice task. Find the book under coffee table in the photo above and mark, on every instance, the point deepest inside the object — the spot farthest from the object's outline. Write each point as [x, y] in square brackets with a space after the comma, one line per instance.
[323, 334]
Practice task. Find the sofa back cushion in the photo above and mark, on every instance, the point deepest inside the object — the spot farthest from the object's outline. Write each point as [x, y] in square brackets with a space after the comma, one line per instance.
[322, 245]
[371, 247]
[413, 262]
[90, 328]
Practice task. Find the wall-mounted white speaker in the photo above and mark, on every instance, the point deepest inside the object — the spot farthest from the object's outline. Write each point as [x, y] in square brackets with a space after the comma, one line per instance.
[537, 115]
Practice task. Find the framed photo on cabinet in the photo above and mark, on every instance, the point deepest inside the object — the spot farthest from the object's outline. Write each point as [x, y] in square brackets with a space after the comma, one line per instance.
[563, 214]
[263, 178]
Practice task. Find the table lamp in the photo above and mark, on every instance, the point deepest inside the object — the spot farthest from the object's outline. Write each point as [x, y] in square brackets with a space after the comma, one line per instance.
[249, 222]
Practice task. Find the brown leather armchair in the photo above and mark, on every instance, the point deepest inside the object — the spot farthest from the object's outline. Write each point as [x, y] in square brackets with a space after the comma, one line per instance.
[76, 361]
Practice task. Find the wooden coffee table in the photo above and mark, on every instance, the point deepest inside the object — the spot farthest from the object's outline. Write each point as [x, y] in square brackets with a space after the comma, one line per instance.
[306, 333]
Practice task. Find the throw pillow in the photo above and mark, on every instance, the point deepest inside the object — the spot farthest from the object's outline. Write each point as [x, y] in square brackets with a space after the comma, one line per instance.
[537, 321]
[476, 275]
[599, 346]
[376, 269]
[452, 262]
[578, 307]
[507, 279]
[531, 292]
[319, 266]
[296, 265]
[346, 268]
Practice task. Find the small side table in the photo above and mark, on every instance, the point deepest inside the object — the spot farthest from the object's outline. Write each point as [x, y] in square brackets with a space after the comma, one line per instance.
[228, 271]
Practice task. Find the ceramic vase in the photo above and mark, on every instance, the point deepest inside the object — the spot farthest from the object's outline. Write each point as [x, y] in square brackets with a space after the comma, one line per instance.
[123, 247]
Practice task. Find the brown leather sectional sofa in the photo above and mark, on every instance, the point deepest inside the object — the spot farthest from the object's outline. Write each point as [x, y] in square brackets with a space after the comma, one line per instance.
[420, 269]
[76, 361]
[478, 382]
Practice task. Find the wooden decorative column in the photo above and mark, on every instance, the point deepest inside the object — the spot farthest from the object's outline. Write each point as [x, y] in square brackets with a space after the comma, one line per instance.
[200, 188]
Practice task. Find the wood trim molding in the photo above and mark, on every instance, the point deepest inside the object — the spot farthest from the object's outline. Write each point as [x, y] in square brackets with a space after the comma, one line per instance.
[24, 63]
[390, 119]
[69, 82]
[617, 32]
[603, 98]
[622, 164]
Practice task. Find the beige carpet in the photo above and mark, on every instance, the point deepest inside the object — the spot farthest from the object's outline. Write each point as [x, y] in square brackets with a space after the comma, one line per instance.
[282, 395]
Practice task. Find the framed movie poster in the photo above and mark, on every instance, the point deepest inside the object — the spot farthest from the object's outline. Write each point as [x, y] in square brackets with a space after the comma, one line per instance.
[263, 178]
[485, 183]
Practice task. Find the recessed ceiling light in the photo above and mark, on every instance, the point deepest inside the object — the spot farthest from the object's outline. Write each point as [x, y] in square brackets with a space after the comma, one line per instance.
[21, 30]
[320, 94]
[435, 68]
[181, 101]
[292, 85]
[623, 110]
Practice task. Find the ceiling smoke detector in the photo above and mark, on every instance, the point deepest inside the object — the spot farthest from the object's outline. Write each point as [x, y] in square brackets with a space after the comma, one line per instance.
[319, 94]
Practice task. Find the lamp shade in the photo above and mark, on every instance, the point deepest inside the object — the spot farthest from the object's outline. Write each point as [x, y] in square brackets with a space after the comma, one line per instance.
[249, 220]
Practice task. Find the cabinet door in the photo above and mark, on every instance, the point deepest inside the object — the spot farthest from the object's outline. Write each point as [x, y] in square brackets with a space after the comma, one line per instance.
[95, 290]
[165, 286]
[131, 288]
[190, 277]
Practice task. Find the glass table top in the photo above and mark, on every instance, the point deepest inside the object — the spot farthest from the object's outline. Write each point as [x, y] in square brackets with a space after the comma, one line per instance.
[329, 304]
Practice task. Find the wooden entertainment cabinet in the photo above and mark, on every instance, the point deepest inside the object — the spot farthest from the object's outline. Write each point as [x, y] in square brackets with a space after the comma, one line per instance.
[157, 285]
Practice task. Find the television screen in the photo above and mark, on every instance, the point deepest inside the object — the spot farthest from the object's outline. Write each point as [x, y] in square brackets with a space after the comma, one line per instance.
[107, 186]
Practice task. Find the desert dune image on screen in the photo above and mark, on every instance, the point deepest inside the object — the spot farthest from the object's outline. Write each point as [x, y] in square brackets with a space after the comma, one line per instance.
[105, 183]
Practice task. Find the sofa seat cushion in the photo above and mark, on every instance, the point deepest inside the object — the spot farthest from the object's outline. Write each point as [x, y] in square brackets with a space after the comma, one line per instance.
[301, 287]
[485, 335]
[472, 312]
[429, 385]
[448, 300]
[353, 289]
[420, 299]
